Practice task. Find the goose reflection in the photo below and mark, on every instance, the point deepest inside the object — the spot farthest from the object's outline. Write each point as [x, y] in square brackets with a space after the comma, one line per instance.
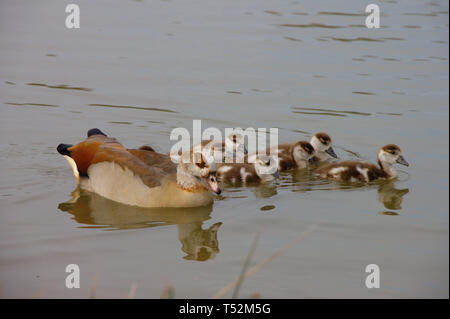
[198, 243]
[390, 196]
[94, 211]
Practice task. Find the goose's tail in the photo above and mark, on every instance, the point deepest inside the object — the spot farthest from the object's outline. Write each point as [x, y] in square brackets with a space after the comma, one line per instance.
[67, 149]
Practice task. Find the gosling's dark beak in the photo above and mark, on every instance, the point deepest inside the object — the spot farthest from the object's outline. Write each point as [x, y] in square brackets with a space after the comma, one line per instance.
[212, 184]
[276, 175]
[313, 160]
[331, 152]
[401, 160]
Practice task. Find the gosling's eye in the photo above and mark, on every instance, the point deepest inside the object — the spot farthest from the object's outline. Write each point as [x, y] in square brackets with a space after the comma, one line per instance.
[212, 179]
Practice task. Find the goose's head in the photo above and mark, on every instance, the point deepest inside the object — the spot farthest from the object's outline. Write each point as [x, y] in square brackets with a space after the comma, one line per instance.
[204, 172]
[390, 154]
[266, 167]
[303, 152]
[235, 144]
[322, 144]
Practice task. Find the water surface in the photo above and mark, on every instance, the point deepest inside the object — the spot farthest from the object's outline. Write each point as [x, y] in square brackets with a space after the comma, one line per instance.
[138, 69]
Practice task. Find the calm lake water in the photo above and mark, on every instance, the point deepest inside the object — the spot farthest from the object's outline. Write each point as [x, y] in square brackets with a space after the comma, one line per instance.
[138, 69]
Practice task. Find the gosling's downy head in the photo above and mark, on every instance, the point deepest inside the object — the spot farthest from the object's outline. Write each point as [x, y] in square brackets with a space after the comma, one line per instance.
[302, 152]
[390, 154]
[204, 171]
[322, 144]
[235, 144]
[212, 151]
[266, 167]
[211, 183]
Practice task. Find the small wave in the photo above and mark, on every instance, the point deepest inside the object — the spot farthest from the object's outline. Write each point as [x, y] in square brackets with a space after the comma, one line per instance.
[134, 107]
[61, 87]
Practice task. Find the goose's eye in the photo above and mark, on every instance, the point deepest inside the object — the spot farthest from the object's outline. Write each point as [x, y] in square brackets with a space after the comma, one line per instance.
[212, 179]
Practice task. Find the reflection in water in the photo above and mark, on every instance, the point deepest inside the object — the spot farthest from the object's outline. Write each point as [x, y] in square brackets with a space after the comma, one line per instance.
[265, 190]
[94, 211]
[390, 196]
[99, 212]
[302, 175]
[199, 244]
[389, 213]
[267, 207]
[261, 190]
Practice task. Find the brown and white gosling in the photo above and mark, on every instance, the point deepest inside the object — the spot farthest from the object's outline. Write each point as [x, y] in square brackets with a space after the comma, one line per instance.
[322, 146]
[229, 151]
[353, 171]
[290, 156]
[264, 169]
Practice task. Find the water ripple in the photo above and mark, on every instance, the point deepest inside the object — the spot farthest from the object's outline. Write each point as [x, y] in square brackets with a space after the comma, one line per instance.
[341, 14]
[311, 25]
[134, 107]
[320, 111]
[61, 86]
[31, 104]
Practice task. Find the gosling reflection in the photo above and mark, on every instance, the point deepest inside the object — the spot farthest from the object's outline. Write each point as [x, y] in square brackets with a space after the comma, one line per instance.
[390, 196]
[260, 190]
[265, 190]
[302, 176]
[94, 211]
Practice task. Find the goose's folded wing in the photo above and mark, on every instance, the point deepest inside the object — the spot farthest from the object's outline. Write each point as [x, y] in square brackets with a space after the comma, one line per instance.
[154, 159]
[112, 151]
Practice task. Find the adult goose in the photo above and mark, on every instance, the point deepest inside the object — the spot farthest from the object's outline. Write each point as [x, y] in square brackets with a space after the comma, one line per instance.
[139, 177]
